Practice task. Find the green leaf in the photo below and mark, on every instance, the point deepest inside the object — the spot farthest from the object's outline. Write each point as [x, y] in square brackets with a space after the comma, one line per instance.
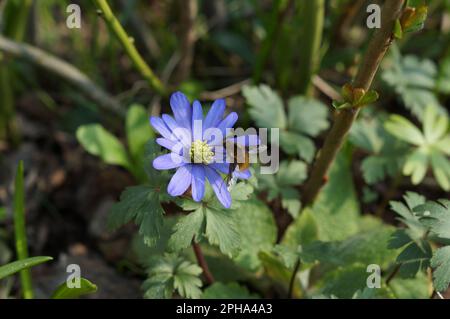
[403, 129]
[434, 125]
[345, 282]
[441, 169]
[138, 131]
[266, 107]
[16, 266]
[254, 215]
[307, 115]
[291, 173]
[302, 231]
[410, 288]
[64, 292]
[414, 258]
[436, 216]
[368, 247]
[169, 273]
[398, 32]
[414, 81]
[231, 290]
[189, 227]
[141, 204]
[441, 265]
[98, 141]
[296, 144]
[336, 209]
[221, 230]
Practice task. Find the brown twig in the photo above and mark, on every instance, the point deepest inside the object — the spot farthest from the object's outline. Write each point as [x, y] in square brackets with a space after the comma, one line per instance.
[325, 88]
[224, 92]
[377, 48]
[202, 263]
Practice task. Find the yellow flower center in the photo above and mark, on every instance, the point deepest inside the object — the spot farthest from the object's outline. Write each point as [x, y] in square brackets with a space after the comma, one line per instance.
[201, 152]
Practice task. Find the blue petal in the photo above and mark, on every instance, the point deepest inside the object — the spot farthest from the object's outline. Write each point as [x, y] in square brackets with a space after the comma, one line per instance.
[174, 146]
[181, 109]
[220, 167]
[228, 122]
[180, 181]
[219, 187]
[181, 133]
[168, 161]
[198, 182]
[243, 175]
[197, 121]
[215, 114]
[161, 127]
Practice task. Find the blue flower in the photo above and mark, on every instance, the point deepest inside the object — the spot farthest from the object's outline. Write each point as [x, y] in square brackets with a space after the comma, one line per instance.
[196, 147]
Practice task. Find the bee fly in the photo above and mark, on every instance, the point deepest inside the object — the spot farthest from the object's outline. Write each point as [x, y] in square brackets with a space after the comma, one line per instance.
[239, 158]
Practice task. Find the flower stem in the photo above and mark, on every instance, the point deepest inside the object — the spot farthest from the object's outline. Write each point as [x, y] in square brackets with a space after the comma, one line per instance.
[20, 232]
[128, 45]
[292, 280]
[376, 50]
[202, 262]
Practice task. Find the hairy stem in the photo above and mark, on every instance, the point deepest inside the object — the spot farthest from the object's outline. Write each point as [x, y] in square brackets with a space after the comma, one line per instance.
[376, 50]
[312, 16]
[62, 69]
[129, 47]
[202, 262]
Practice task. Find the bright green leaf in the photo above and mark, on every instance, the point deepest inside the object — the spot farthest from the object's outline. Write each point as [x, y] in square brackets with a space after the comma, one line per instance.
[16, 266]
[64, 292]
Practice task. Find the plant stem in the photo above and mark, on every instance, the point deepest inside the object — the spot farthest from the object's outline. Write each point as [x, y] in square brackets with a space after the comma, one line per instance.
[20, 232]
[202, 262]
[376, 50]
[393, 273]
[292, 280]
[128, 44]
[63, 69]
[312, 16]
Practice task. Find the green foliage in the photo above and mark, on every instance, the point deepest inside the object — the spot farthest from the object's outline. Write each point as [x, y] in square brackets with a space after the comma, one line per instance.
[268, 111]
[141, 204]
[64, 292]
[415, 81]
[255, 215]
[231, 290]
[386, 155]
[170, 273]
[441, 264]
[20, 265]
[97, 141]
[282, 184]
[431, 147]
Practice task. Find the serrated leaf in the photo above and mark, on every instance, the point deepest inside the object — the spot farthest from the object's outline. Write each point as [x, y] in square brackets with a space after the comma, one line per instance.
[188, 228]
[267, 108]
[345, 282]
[254, 215]
[436, 216]
[307, 115]
[169, 273]
[141, 204]
[98, 141]
[221, 230]
[403, 129]
[296, 144]
[441, 265]
[231, 290]
[64, 292]
[414, 258]
[16, 266]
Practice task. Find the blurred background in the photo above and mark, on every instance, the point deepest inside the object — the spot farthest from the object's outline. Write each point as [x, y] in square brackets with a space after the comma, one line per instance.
[208, 50]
